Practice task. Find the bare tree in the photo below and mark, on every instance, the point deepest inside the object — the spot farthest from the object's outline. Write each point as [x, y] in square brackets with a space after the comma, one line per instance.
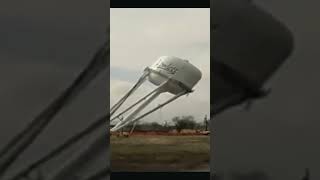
[184, 122]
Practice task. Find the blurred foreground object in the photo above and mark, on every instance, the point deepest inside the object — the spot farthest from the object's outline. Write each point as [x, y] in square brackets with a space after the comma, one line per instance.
[249, 45]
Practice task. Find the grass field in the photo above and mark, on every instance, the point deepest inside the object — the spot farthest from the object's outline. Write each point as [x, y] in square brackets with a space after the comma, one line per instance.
[160, 153]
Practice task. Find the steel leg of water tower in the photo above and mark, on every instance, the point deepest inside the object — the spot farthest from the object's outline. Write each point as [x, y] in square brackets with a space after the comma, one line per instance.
[139, 101]
[132, 129]
[141, 80]
[151, 111]
[134, 113]
[124, 98]
[161, 105]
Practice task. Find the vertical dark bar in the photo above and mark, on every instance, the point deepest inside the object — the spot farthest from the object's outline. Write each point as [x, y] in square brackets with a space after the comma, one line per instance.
[249, 45]
[71, 40]
[107, 172]
[211, 124]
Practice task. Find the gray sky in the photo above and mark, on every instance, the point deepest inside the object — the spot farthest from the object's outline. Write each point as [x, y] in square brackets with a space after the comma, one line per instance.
[139, 36]
[280, 134]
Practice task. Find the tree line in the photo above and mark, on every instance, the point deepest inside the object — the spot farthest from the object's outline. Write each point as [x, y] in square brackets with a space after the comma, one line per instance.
[177, 123]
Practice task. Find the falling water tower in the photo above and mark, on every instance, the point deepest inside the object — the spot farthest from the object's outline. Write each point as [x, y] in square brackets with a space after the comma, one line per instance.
[170, 75]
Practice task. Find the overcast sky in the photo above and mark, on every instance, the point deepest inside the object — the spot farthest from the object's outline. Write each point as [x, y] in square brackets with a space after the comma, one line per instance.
[140, 36]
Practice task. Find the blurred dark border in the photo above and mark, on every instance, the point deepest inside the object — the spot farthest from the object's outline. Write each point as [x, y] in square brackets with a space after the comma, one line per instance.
[160, 175]
[160, 3]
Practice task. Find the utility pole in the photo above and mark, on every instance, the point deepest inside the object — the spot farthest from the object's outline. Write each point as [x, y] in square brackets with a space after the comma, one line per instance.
[160, 113]
[206, 122]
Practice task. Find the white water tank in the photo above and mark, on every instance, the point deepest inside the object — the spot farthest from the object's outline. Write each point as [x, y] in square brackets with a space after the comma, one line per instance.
[184, 75]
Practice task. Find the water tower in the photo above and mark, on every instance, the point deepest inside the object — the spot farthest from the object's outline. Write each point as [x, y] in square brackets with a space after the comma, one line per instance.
[170, 75]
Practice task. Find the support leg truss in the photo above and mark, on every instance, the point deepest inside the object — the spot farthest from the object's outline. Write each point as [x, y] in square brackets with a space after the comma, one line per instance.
[131, 118]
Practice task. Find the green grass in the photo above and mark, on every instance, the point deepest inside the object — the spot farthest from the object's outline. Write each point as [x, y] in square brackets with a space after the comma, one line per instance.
[160, 153]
